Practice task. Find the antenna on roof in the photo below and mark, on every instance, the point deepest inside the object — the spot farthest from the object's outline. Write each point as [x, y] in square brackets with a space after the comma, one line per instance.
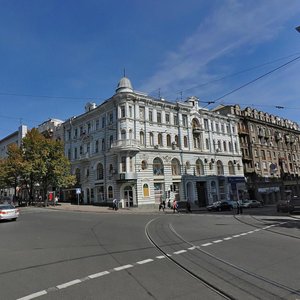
[124, 71]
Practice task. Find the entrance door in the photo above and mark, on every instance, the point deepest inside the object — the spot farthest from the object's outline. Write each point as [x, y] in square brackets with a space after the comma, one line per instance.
[128, 196]
[201, 191]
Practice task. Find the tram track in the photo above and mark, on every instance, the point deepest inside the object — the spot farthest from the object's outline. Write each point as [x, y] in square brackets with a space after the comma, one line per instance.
[268, 229]
[261, 281]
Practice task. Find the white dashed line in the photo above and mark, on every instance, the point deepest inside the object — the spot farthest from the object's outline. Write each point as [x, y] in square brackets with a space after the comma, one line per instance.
[123, 267]
[245, 233]
[98, 274]
[160, 256]
[237, 235]
[179, 252]
[207, 244]
[145, 261]
[34, 295]
[217, 241]
[192, 248]
[228, 238]
[251, 231]
[67, 284]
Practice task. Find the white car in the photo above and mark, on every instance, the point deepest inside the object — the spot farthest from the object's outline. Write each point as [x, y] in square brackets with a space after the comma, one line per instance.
[8, 212]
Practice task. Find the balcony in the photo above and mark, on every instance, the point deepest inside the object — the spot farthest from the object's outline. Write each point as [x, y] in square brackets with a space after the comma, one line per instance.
[84, 156]
[249, 169]
[125, 145]
[126, 176]
[197, 130]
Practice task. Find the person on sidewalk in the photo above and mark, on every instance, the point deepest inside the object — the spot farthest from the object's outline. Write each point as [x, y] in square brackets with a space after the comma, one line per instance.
[175, 206]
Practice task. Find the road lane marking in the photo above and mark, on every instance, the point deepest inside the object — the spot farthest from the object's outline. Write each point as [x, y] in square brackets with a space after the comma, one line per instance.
[145, 261]
[160, 256]
[228, 238]
[98, 274]
[179, 252]
[237, 235]
[217, 241]
[192, 248]
[67, 284]
[123, 267]
[207, 244]
[34, 295]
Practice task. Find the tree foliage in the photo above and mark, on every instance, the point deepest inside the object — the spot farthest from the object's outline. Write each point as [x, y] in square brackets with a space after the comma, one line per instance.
[39, 162]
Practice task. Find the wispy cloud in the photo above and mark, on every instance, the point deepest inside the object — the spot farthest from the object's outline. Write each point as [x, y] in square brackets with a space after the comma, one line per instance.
[228, 29]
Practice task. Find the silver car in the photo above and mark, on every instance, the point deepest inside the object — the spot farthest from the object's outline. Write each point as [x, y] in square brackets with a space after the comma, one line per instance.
[8, 212]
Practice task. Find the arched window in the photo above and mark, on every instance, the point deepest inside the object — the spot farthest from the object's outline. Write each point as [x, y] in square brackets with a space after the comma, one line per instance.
[146, 191]
[103, 145]
[175, 164]
[151, 139]
[158, 167]
[123, 135]
[77, 174]
[199, 167]
[219, 146]
[99, 171]
[220, 169]
[169, 140]
[130, 134]
[231, 168]
[142, 138]
[225, 146]
[110, 192]
[176, 141]
[230, 147]
[185, 141]
[160, 139]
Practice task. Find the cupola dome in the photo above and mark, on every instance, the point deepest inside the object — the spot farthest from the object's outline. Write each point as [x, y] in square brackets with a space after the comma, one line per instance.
[124, 86]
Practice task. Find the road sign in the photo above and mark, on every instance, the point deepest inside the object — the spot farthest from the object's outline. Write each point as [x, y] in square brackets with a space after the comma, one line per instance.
[78, 191]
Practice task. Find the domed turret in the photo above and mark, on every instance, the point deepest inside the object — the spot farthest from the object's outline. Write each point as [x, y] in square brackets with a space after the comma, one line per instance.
[124, 86]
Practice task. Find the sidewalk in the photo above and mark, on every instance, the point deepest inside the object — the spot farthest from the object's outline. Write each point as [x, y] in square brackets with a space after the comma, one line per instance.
[105, 209]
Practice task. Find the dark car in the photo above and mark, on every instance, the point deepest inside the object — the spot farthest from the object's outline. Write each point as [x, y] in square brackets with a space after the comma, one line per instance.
[219, 206]
[294, 205]
[283, 206]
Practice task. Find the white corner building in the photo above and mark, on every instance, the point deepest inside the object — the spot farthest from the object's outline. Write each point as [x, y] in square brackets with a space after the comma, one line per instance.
[141, 150]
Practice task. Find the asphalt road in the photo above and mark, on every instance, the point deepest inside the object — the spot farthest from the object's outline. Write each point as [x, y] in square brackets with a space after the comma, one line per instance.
[48, 254]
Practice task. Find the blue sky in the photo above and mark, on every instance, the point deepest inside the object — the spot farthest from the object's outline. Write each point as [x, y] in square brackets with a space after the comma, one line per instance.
[58, 55]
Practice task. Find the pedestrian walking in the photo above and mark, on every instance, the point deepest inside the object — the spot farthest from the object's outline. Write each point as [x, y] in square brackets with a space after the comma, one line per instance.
[115, 204]
[175, 206]
[169, 203]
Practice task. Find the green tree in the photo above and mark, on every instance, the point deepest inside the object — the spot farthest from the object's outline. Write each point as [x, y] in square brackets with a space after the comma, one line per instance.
[39, 162]
[47, 165]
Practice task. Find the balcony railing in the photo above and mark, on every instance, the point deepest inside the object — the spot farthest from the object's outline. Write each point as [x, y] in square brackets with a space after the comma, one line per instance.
[133, 145]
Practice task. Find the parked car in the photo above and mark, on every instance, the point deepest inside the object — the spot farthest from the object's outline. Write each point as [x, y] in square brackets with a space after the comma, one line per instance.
[294, 205]
[8, 212]
[219, 206]
[251, 204]
[283, 206]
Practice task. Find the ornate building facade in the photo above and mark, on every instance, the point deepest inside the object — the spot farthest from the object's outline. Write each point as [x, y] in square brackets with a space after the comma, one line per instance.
[270, 147]
[142, 150]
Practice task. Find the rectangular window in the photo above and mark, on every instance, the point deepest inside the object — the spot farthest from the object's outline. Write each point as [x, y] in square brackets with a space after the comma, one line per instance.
[97, 124]
[168, 118]
[103, 122]
[159, 118]
[130, 111]
[150, 116]
[142, 113]
[88, 127]
[75, 133]
[206, 127]
[175, 120]
[217, 127]
[111, 118]
[75, 153]
[123, 164]
[185, 120]
[123, 111]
